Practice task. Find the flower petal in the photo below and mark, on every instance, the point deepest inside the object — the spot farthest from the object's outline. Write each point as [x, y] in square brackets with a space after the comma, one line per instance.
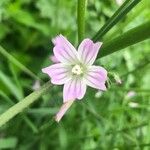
[73, 89]
[54, 59]
[64, 51]
[59, 73]
[63, 110]
[88, 51]
[98, 71]
[96, 77]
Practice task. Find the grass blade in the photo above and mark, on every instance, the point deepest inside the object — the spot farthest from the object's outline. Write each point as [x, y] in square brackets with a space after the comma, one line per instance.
[81, 19]
[17, 63]
[42, 111]
[17, 82]
[20, 106]
[118, 15]
[8, 143]
[18, 93]
[133, 36]
[10, 85]
[6, 98]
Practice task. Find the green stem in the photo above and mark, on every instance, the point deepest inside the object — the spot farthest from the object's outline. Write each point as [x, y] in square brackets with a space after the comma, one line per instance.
[118, 15]
[81, 19]
[20, 106]
[131, 37]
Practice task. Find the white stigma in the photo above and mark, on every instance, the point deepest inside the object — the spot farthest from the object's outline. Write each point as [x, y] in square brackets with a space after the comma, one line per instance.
[77, 69]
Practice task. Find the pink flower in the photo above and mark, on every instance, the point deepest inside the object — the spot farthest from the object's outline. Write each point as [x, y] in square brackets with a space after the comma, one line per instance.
[75, 68]
[54, 59]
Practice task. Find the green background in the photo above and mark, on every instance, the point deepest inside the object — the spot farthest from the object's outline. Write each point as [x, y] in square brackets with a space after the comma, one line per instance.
[117, 119]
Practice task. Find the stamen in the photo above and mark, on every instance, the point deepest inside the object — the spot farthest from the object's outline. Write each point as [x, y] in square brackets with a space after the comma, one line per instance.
[77, 69]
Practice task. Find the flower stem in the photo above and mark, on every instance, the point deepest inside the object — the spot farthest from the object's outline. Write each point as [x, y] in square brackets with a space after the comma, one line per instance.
[20, 106]
[81, 19]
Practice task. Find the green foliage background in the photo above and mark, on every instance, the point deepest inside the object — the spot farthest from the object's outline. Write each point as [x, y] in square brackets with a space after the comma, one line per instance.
[102, 121]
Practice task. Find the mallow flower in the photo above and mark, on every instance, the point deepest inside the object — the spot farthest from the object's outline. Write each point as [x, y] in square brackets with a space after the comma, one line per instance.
[75, 70]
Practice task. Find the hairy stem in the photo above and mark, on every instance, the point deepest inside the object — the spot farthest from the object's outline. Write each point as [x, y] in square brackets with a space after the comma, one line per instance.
[81, 19]
[20, 106]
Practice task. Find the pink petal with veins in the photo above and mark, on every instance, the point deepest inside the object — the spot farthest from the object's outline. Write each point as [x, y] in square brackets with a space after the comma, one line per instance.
[63, 110]
[64, 50]
[58, 73]
[74, 89]
[54, 59]
[88, 51]
[99, 72]
[96, 77]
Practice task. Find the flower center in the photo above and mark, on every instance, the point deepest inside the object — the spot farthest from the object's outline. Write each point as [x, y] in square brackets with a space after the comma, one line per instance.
[77, 70]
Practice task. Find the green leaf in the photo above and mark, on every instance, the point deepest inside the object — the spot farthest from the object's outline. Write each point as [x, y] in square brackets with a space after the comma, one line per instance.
[133, 36]
[118, 15]
[81, 19]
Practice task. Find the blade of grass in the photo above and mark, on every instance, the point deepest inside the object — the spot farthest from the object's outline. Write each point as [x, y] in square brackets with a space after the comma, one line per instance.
[8, 143]
[18, 93]
[140, 10]
[131, 37]
[42, 111]
[118, 15]
[20, 106]
[6, 98]
[81, 19]
[20, 90]
[29, 123]
[18, 64]
[10, 85]
[17, 82]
